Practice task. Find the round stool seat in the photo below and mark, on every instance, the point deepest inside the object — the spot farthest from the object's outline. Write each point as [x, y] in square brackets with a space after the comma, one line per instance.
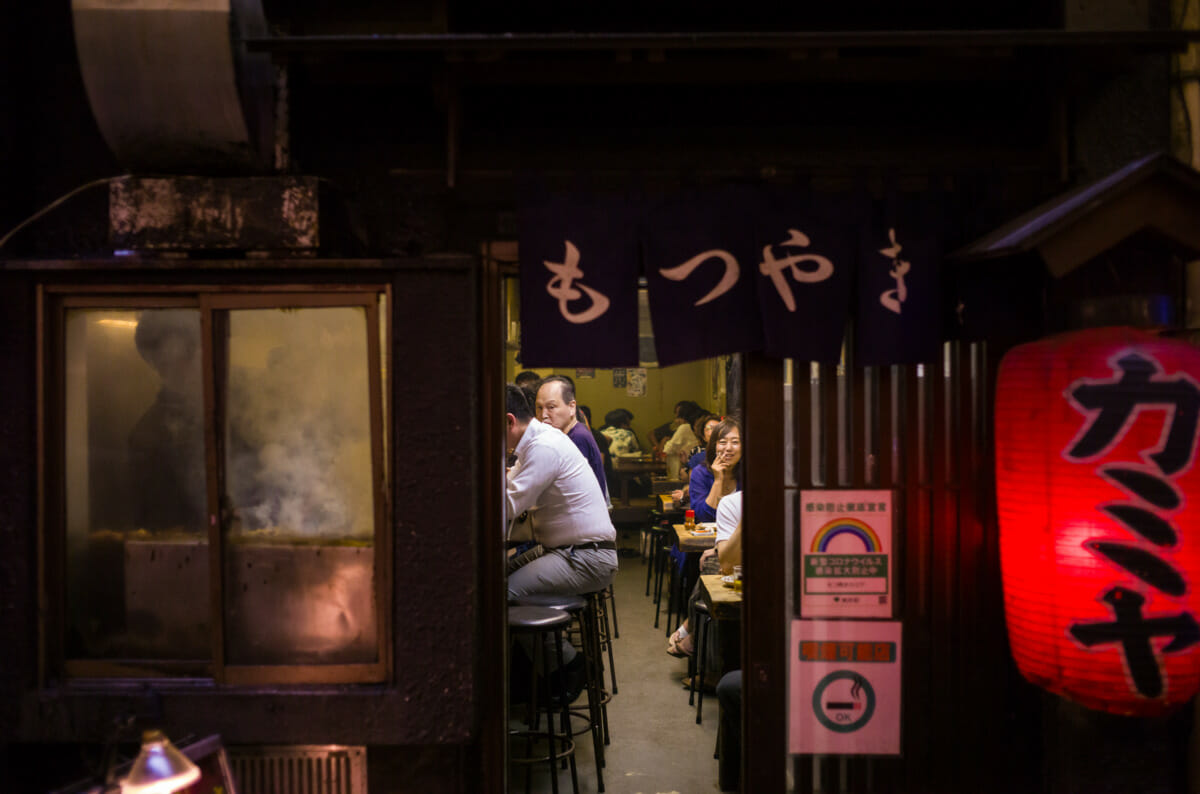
[534, 619]
[567, 603]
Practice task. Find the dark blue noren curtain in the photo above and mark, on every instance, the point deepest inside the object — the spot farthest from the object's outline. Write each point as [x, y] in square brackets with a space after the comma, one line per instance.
[899, 319]
[803, 273]
[699, 251]
[579, 271]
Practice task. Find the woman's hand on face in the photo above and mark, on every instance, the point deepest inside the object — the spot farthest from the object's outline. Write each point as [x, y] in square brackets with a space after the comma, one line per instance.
[677, 495]
[720, 465]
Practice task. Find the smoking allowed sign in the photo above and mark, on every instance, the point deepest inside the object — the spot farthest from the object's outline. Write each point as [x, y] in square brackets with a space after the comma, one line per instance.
[845, 688]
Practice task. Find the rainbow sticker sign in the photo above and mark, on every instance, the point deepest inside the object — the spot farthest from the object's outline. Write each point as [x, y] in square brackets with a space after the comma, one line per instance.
[846, 567]
[846, 526]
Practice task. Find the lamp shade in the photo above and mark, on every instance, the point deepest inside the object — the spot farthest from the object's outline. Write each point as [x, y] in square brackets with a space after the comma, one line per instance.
[159, 768]
[1099, 507]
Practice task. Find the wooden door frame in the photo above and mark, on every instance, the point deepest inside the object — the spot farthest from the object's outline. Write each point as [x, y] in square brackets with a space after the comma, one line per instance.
[764, 627]
[764, 622]
[492, 663]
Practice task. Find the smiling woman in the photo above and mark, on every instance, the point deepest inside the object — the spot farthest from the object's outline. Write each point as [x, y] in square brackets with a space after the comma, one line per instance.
[720, 474]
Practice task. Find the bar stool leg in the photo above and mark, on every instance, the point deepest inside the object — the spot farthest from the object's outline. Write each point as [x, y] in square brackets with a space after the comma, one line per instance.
[692, 675]
[659, 571]
[672, 585]
[595, 603]
[594, 691]
[535, 662]
[612, 598]
[566, 719]
[551, 739]
[607, 638]
[701, 653]
[650, 560]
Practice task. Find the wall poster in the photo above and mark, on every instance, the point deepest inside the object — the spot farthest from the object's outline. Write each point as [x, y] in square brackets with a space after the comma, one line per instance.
[635, 385]
[847, 563]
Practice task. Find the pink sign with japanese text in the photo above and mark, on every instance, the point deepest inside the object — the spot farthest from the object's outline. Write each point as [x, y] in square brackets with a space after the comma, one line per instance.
[846, 555]
[844, 687]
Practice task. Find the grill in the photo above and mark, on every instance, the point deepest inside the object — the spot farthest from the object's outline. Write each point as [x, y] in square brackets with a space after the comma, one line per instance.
[300, 769]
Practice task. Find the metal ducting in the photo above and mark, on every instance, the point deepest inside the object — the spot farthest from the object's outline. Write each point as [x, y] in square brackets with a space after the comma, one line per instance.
[171, 86]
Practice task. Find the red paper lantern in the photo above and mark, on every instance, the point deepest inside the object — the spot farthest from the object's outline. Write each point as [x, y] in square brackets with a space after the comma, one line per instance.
[1099, 507]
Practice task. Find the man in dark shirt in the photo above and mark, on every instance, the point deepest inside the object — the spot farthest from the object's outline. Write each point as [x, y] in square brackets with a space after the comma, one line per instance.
[556, 406]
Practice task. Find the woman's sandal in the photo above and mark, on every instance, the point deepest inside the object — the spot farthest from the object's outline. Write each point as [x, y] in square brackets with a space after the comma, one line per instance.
[679, 647]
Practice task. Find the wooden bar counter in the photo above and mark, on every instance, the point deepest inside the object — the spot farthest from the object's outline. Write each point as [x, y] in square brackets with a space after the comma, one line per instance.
[694, 543]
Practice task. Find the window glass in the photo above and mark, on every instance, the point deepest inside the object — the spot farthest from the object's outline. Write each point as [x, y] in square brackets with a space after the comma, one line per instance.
[298, 496]
[135, 485]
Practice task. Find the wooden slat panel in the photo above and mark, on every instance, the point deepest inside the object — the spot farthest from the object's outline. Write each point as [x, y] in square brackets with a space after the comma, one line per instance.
[802, 440]
[826, 766]
[805, 407]
[828, 451]
[889, 772]
[970, 626]
[931, 440]
[862, 441]
[947, 604]
[885, 773]
[915, 539]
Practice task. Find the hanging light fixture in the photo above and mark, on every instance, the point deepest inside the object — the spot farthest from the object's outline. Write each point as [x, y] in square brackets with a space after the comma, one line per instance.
[159, 768]
[1098, 496]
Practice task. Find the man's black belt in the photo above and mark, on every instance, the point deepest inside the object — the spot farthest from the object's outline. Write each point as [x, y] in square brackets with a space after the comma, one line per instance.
[592, 544]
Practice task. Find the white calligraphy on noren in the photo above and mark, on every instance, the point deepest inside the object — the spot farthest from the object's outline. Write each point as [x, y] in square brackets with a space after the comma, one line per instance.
[680, 272]
[770, 266]
[560, 287]
[892, 298]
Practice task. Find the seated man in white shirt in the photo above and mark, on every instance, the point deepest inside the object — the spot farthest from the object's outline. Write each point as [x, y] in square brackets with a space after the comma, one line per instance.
[572, 523]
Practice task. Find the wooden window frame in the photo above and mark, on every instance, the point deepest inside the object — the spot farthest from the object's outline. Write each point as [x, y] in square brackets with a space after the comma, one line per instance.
[210, 300]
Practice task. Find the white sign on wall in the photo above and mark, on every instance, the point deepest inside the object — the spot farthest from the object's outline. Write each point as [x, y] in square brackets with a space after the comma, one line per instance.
[844, 687]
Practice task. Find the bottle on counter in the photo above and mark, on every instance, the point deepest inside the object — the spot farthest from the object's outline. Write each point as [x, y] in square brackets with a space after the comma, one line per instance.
[689, 520]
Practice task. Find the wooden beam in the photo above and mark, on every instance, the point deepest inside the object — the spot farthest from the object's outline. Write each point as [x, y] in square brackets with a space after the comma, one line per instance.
[765, 625]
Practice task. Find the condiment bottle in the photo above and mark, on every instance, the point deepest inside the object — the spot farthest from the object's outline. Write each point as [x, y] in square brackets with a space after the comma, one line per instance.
[689, 520]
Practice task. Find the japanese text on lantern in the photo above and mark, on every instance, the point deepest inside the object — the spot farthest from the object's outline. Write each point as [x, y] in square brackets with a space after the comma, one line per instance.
[1112, 406]
[561, 288]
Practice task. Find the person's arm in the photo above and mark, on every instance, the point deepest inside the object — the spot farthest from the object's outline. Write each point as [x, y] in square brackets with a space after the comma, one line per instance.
[729, 553]
[722, 476]
[700, 486]
[675, 443]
